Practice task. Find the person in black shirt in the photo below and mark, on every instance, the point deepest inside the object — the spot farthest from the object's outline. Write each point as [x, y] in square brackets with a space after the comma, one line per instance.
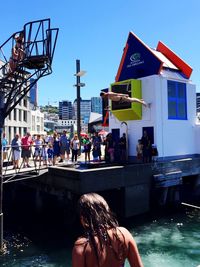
[147, 147]
[122, 148]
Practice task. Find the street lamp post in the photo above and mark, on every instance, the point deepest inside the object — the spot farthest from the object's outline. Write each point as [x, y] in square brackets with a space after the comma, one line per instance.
[78, 85]
[78, 100]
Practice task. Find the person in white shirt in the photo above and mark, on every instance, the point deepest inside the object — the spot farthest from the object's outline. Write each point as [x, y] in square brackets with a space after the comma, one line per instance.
[75, 146]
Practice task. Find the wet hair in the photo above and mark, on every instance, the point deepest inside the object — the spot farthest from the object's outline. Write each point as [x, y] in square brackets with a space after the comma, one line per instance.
[97, 219]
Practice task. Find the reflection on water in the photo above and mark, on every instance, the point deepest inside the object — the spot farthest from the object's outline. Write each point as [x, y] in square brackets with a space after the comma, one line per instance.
[167, 242]
[22, 252]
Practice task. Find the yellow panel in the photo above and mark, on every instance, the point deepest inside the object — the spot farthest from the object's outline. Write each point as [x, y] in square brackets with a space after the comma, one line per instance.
[134, 112]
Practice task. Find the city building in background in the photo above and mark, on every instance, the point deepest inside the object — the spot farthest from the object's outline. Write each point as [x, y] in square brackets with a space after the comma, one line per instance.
[65, 110]
[33, 93]
[26, 116]
[96, 105]
[50, 116]
[50, 126]
[67, 122]
[19, 120]
[85, 106]
[37, 122]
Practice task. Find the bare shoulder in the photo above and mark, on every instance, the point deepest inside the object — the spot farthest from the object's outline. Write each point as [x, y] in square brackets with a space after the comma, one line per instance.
[124, 231]
[78, 252]
[127, 235]
[81, 241]
[79, 246]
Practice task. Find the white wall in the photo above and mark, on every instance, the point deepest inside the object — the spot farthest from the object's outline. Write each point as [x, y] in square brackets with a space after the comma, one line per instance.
[148, 116]
[178, 136]
[197, 138]
[172, 137]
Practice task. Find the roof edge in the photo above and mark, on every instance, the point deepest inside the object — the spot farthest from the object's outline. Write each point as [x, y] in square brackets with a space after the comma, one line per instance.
[175, 59]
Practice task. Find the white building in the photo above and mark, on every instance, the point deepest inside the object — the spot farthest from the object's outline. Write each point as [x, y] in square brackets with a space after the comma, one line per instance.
[21, 118]
[162, 79]
[37, 122]
[66, 124]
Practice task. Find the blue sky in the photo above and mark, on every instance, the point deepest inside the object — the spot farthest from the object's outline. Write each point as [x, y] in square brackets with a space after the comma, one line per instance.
[96, 32]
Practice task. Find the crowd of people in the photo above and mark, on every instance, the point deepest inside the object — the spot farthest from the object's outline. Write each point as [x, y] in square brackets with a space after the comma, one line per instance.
[57, 148]
[51, 149]
[47, 150]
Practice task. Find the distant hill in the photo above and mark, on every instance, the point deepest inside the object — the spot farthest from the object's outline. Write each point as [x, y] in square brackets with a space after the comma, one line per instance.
[49, 109]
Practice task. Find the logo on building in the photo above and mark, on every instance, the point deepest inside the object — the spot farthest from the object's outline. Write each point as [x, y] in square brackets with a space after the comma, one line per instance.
[135, 56]
[135, 59]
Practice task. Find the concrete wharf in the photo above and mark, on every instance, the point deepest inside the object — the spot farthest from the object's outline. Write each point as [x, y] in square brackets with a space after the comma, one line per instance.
[131, 189]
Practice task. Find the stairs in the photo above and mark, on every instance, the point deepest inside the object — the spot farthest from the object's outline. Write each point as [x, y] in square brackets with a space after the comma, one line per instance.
[37, 46]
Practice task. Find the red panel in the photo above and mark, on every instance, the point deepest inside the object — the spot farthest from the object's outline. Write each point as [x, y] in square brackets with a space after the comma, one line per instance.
[121, 63]
[105, 120]
[176, 60]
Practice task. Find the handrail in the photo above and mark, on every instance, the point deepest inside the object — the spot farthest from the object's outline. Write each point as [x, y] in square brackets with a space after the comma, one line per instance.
[8, 151]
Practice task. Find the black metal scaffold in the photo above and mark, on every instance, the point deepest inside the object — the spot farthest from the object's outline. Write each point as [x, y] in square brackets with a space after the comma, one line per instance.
[20, 71]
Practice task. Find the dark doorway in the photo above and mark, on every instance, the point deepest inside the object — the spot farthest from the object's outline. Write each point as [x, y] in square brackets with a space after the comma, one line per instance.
[116, 137]
[150, 133]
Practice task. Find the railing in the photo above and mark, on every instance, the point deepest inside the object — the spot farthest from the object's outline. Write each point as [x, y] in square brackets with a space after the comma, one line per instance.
[37, 46]
[15, 163]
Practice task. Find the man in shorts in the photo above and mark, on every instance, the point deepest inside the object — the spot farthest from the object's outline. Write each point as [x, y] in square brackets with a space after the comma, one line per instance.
[26, 143]
[64, 146]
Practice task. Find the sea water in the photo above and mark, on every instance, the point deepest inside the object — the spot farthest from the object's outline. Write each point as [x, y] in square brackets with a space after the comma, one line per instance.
[169, 241]
[172, 241]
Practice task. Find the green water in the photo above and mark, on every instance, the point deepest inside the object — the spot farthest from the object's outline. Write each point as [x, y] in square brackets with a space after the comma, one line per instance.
[170, 241]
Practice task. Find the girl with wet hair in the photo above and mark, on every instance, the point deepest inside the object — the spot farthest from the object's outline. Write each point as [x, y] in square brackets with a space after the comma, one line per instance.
[104, 243]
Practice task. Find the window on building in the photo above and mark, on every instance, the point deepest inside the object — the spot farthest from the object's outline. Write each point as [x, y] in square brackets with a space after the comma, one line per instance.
[10, 116]
[25, 102]
[177, 100]
[25, 115]
[20, 115]
[9, 133]
[15, 114]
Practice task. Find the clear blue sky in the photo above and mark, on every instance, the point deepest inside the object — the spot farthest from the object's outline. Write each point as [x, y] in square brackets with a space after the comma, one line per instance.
[96, 32]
